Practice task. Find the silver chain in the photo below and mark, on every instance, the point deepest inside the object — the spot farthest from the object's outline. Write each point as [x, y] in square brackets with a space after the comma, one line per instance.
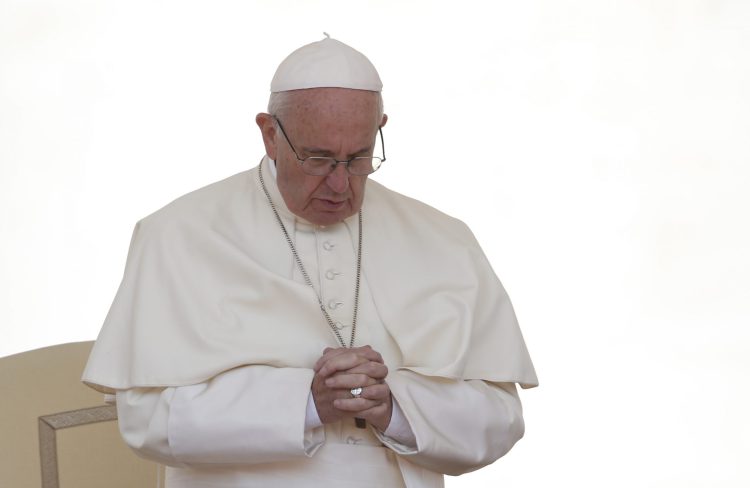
[308, 281]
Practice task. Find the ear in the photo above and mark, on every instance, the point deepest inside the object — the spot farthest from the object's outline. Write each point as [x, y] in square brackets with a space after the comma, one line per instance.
[268, 132]
[384, 120]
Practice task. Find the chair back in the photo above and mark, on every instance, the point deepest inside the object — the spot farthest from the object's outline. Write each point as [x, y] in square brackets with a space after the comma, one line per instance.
[55, 431]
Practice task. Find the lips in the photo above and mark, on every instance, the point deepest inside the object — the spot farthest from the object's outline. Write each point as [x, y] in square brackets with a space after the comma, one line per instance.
[331, 204]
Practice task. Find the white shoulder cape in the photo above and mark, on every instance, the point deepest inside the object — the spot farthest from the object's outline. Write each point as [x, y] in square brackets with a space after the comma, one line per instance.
[207, 288]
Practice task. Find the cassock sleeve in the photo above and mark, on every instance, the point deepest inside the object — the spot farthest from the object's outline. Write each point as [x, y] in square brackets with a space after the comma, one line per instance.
[248, 415]
[459, 425]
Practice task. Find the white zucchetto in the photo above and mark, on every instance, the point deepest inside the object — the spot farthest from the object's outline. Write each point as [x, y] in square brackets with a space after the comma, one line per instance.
[326, 63]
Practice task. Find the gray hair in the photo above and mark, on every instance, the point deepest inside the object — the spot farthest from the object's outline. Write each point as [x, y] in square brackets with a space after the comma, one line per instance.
[279, 102]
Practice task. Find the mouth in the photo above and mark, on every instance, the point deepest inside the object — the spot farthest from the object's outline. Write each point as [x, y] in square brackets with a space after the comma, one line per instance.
[331, 205]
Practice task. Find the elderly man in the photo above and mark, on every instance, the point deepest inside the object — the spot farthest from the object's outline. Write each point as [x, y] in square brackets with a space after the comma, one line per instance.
[297, 325]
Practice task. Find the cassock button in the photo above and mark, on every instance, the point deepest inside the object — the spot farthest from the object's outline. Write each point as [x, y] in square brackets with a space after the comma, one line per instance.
[339, 325]
[328, 245]
[331, 274]
[353, 440]
[333, 304]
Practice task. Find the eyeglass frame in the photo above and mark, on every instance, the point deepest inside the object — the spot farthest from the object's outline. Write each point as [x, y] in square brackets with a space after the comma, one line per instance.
[338, 161]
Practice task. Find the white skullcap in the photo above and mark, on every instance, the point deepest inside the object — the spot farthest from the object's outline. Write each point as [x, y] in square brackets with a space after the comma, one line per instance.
[326, 63]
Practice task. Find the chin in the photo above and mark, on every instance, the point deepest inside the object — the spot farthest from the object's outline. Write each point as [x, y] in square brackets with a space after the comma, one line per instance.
[321, 216]
[328, 219]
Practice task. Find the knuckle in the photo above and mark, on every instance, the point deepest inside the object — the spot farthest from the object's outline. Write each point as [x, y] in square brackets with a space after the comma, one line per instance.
[362, 379]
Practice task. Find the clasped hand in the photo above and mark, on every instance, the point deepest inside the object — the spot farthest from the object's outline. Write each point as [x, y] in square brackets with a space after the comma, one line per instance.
[341, 369]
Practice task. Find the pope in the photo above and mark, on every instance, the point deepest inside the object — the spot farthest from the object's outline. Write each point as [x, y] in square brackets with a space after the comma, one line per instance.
[300, 325]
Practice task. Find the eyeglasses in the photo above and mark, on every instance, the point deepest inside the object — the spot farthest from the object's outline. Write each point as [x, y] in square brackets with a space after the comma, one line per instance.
[323, 166]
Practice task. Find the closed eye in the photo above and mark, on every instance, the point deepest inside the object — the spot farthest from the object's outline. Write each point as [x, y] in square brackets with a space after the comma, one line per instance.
[323, 153]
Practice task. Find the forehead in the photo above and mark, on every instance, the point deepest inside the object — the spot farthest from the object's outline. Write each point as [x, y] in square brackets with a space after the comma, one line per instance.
[336, 106]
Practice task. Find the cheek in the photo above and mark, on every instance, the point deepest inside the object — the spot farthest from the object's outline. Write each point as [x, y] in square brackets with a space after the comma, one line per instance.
[309, 186]
[358, 188]
[359, 183]
[306, 188]
[292, 188]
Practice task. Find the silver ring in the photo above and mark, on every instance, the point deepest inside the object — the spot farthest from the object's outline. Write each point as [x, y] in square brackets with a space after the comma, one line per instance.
[356, 392]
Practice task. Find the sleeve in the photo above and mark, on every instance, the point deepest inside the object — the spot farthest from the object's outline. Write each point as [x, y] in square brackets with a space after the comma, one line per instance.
[399, 429]
[248, 415]
[459, 425]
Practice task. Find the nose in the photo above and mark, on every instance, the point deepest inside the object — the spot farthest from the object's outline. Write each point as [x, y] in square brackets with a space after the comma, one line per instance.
[338, 179]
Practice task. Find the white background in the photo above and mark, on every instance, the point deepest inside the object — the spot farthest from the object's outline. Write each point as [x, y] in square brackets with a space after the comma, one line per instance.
[599, 150]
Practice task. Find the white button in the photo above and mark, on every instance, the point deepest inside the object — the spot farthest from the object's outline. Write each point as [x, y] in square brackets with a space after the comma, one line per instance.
[333, 304]
[353, 440]
[331, 274]
[339, 325]
[328, 245]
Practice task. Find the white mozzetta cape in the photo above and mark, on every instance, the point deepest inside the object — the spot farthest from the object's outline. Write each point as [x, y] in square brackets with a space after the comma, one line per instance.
[207, 288]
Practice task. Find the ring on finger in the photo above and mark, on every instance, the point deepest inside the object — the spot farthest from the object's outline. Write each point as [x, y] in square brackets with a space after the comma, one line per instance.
[356, 392]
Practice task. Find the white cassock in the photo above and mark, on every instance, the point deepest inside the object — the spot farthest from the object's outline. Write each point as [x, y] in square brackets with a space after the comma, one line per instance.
[211, 340]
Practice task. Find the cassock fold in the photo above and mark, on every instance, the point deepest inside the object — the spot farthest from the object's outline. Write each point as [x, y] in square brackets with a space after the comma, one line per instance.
[207, 288]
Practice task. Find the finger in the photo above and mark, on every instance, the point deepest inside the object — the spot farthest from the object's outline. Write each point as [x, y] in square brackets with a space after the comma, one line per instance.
[342, 362]
[349, 381]
[354, 404]
[373, 370]
[379, 392]
[364, 407]
[364, 351]
[339, 362]
[370, 353]
[328, 352]
[369, 373]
